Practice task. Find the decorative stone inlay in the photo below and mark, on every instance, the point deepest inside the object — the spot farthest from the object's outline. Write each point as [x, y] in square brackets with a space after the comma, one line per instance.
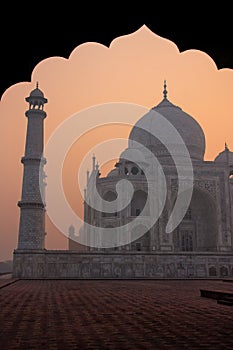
[205, 185]
[126, 265]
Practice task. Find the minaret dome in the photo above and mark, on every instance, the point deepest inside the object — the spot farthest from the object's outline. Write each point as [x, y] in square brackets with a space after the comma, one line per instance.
[36, 99]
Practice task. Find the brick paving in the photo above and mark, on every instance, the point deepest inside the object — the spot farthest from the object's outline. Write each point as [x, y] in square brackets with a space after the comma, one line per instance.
[6, 280]
[60, 315]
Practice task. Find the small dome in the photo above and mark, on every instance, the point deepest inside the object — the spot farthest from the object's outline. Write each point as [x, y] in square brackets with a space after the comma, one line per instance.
[133, 155]
[36, 98]
[113, 172]
[225, 156]
[36, 93]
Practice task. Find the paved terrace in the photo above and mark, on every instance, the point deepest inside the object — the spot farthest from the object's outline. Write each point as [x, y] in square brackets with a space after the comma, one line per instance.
[58, 314]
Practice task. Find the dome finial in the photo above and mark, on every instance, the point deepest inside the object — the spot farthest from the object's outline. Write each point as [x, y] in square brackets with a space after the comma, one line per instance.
[37, 85]
[165, 89]
[226, 147]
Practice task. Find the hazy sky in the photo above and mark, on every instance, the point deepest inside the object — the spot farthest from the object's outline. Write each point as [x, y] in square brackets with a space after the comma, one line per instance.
[131, 70]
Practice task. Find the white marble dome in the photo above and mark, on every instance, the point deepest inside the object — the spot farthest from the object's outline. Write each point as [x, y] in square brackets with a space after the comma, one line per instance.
[187, 127]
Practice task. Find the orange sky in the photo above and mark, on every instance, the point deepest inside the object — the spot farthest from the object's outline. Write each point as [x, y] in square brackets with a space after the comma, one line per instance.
[131, 70]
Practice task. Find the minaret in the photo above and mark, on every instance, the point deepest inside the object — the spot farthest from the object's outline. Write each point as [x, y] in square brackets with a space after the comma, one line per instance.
[32, 206]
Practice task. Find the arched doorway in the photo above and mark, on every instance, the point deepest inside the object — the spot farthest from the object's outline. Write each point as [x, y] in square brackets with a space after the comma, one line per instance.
[109, 196]
[138, 203]
[198, 230]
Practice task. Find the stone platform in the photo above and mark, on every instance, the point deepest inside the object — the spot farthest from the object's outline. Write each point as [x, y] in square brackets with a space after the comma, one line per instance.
[42, 264]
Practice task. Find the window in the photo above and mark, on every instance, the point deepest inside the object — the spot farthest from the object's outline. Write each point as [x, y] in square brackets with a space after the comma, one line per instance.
[134, 170]
[137, 212]
[138, 246]
[212, 271]
[223, 271]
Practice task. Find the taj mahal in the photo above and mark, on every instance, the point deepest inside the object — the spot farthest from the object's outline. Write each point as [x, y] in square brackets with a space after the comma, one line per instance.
[199, 246]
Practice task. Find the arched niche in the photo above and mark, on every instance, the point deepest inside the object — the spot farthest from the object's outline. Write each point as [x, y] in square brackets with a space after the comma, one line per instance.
[138, 203]
[198, 230]
[109, 196]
